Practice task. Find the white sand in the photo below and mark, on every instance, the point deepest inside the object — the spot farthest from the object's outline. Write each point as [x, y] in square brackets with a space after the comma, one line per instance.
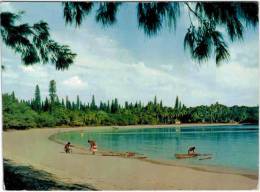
[32, 147]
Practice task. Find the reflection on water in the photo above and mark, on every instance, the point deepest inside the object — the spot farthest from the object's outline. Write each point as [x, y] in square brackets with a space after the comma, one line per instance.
[231, 146]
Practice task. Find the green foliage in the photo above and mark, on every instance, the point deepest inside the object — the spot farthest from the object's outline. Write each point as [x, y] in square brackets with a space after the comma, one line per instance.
[176, 105]
[61, 116]
[22, 114]
[76, 11]
[17, 115]
[33, 43]
[46, 120]
[106, 13]
[203, 39]
[52, 91]
[93, 105]
[152, 16]
[36, 103]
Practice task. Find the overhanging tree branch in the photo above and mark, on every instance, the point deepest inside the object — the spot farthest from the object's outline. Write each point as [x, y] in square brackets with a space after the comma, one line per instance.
[33, 43]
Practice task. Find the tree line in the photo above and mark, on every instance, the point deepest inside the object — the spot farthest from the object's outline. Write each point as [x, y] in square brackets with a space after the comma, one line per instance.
[54, 111]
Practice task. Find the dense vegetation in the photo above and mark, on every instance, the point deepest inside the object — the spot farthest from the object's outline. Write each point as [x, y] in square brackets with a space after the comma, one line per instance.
[53, 111]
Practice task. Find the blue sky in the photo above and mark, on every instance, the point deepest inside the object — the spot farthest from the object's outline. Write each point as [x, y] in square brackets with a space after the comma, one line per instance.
[120, 61]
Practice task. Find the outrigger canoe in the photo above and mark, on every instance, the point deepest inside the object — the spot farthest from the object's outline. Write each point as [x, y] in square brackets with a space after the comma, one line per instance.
[184, 156]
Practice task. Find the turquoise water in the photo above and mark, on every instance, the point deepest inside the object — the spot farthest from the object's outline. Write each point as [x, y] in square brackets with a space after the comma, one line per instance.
[230, 146]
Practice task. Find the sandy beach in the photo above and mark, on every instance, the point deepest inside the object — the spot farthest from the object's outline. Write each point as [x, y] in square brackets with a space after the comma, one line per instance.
[33, 147]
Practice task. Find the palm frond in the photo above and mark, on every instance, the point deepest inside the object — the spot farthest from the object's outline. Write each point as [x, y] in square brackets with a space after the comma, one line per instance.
[202, 50]
[222, 53]
[67, 12]
[8, 18]
[106, 13]
[30, 55]
[33, 43]
[235, 29]
[148, 18]
[75, 12]
[249, 12]
[60, 55]
[190, 40]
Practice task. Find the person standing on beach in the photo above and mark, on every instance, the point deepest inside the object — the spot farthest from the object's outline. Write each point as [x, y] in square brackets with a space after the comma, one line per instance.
[67, 148]
[93, 146]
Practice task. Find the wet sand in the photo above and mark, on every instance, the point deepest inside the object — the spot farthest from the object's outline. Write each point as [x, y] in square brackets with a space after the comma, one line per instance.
[33, 147]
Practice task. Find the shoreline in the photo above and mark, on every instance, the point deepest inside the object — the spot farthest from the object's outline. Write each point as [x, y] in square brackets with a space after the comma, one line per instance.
[101, 172]
[208, 168]
[131, 126]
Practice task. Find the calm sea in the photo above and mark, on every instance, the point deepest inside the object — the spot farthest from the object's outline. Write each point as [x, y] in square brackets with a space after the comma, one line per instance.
[230, 146]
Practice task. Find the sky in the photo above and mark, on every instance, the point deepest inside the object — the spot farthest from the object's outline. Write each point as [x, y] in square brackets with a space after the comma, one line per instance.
[121, 61]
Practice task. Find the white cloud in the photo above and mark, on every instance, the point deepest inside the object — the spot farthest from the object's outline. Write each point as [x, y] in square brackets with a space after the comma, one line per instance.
[27, 69]
[108, 69]
[237, 76]
[74, 82]
[246, 54]
[112, 71]
[6, 6]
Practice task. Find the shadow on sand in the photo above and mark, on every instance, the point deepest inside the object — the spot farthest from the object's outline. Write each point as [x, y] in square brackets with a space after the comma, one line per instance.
[18, 177]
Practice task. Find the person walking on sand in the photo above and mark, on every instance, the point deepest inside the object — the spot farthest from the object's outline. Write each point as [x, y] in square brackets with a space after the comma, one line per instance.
[67, 148]
[93, 146]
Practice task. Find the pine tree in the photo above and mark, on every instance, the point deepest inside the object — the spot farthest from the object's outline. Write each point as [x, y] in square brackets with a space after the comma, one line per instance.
[108, 107]
[93, 103]
[176, 106]
[116, 105]
[68, 104]
[57, 101]
[161, 104]
[13, 96]
[136, 105]
[46, 105]
[82, 106]
[101, 105]
[52, 91]
[155, 100]
[62, 103]
[140, 105]
[37, 99]
[112, 106]
[74, 106]
[78, 103]
[126, 105]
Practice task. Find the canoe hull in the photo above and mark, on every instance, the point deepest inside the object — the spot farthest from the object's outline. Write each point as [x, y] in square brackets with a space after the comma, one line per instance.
[184, 156]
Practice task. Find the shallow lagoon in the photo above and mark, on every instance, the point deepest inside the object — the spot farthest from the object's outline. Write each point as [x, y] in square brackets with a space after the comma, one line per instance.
[230, 146]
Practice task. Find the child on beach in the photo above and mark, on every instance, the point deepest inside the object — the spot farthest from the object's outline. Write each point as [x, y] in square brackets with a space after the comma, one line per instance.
[93, 146]
[67, 148]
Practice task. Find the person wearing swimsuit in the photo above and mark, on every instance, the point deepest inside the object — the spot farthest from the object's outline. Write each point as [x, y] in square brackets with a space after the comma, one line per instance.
[93, 146]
